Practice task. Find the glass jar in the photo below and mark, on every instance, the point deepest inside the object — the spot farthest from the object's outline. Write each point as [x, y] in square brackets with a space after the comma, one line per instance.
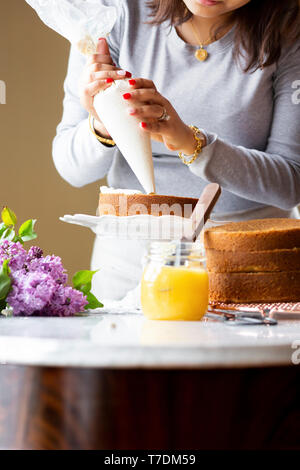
[175, 282]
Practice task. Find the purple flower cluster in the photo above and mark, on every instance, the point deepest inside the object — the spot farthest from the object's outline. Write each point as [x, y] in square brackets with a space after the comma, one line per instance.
[15, 253]
[39, 283]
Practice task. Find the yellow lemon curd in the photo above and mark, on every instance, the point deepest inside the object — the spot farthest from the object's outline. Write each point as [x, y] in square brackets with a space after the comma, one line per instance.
[174, 292]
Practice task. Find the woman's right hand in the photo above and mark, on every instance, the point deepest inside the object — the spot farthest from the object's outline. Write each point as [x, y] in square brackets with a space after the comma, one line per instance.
[98, 74]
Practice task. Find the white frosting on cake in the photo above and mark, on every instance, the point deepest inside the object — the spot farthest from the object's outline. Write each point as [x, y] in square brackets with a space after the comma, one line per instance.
[107, 190]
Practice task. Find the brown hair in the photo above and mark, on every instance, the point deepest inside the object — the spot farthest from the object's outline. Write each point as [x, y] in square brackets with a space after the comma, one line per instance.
[262, 27]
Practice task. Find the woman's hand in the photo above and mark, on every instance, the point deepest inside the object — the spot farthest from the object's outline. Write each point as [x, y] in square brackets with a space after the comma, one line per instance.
[98, 74]
[149, 106]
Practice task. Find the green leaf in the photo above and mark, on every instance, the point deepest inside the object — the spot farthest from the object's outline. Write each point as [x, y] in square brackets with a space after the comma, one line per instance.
[93, 302]
[8, 234]
[3, 227]
[5, 281]
[85, 288]
[26, 231]
[18, 239]
[8, 217]
[81, 279]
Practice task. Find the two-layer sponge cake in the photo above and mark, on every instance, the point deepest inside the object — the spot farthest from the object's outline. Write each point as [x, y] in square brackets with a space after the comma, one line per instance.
[254, 261]
[120, 202]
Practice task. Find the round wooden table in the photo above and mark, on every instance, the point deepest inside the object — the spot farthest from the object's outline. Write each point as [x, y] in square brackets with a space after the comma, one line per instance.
[121, 382]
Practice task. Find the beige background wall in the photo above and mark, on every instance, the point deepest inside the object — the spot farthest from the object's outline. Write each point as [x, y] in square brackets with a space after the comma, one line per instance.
[33, 62]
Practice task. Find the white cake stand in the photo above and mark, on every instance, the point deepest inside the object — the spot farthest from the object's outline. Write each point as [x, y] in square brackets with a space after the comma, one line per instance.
[135, 227]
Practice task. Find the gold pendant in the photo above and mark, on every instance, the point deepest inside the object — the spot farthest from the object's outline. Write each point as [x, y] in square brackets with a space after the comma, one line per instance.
[201, 54]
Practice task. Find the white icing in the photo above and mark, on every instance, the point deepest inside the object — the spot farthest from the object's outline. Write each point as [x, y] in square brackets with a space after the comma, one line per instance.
[133, 143]
[107, 190]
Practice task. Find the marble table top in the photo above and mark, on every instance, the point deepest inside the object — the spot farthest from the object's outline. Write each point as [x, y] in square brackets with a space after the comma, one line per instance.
[105, 340]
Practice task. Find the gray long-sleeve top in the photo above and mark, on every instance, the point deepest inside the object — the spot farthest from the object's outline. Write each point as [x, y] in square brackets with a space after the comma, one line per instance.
[252, 120]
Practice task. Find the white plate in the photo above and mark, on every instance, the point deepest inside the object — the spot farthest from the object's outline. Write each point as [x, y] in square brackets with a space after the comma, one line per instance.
[135, 227]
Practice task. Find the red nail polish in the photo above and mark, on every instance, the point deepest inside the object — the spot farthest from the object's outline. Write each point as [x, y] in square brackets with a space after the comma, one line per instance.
[128, 75]
[132, 82]
[143, 125]
[109, 80]
[132, 111]
[127, 96]
[101, 39]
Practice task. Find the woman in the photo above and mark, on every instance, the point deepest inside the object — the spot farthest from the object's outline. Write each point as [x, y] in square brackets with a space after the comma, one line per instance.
[241, 95]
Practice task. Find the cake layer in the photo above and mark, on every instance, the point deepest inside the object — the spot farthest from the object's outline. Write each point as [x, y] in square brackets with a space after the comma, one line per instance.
[152, 204]
[254, 235]
[254, 287]
[253, 261]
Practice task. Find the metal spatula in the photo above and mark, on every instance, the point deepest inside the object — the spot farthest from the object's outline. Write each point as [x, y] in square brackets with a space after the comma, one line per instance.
[200, 215]
[202, 211]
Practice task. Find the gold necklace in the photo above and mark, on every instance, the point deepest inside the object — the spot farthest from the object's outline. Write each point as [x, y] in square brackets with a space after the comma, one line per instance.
[201, 54]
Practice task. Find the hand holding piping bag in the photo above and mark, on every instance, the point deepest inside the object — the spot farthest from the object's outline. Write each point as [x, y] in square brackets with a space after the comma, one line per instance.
[99, 73]
[158, 117]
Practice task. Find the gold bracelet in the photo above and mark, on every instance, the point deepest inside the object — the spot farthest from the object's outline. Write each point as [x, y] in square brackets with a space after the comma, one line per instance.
[199, 139]
[103, 140]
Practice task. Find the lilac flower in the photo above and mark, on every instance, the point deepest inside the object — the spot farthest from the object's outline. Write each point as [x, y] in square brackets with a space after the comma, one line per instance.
[34, 252]
[30, 292]
[14, 252]
[39, 283]
[65, 302]
[51, 265]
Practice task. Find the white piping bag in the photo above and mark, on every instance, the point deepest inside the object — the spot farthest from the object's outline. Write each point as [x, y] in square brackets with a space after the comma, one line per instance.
[82, 22]
[133, 143]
